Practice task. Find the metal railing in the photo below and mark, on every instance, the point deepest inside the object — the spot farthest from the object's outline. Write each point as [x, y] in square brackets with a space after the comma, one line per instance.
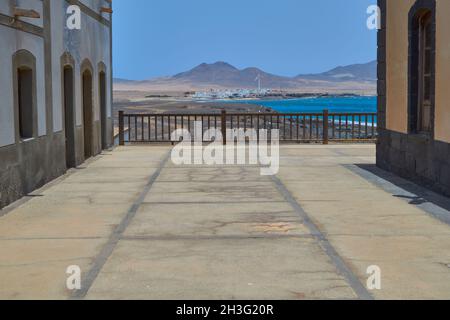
[293, 127]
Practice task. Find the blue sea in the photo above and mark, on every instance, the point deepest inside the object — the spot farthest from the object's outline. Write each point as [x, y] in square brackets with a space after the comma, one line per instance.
[315, 105]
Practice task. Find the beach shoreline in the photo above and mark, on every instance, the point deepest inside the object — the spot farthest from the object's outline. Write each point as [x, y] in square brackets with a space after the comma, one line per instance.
[167, 102]
[138, 102]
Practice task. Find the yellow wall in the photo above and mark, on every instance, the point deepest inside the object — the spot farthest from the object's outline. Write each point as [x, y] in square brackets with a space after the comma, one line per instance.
[397, 67]
[442, 109]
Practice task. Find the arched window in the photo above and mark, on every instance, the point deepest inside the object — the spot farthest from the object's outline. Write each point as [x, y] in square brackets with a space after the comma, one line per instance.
[25, 102]
[24, 66]
[88, 107]
[103, 104]
[422, 67]
[68, 101]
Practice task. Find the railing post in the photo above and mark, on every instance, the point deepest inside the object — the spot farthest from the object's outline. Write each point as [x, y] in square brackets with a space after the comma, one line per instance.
[325, 126]
[224, 126]
[121, 129]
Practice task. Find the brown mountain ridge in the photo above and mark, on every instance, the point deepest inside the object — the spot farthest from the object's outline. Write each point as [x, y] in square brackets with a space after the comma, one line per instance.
[222, 75]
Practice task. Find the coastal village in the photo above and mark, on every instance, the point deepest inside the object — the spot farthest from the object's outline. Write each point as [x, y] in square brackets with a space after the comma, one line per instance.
[95, 205]
[232, 94]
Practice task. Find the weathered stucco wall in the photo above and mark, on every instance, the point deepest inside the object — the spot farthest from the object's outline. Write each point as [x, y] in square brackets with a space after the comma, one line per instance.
[95, 36]
[36, 5]
[11, 42]
[91, 43]
[7, 134]
[95, 5]
[27, 165]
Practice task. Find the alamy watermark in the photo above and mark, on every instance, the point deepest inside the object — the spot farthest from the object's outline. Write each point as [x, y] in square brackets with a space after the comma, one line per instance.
[73, 281]
[251, 147]
[374, 280]
[374, 19]
[73, 21]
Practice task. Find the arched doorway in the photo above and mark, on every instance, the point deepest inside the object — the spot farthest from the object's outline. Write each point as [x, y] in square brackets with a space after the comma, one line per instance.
[69, 116]
[103, 114]
[87, 113]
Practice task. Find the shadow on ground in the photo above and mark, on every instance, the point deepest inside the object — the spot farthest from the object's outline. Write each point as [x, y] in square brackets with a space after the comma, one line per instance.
[401, 188]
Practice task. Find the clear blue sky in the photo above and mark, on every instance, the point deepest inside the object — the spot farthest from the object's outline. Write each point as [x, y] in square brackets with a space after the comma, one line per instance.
[287, 37]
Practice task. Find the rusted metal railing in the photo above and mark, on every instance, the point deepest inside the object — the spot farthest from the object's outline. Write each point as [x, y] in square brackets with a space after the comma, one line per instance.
[322, 127]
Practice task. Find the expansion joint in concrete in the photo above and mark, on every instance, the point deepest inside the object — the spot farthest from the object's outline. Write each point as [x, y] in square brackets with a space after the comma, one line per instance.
[354, 282]
[116, 236]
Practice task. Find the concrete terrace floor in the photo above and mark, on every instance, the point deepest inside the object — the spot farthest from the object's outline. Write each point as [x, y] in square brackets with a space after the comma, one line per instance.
[142, 228]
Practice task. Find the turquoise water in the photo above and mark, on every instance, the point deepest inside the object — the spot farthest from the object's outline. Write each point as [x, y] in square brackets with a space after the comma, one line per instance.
[313, 105]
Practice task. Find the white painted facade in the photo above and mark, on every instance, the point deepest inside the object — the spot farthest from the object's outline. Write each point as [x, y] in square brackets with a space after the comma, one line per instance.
[95, 39]
[12, 41]
[91, 42]
[47, 44]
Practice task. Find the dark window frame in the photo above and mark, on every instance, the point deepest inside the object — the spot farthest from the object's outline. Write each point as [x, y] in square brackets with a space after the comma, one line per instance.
[25, 102]
[25, 61]
[88, 107]
[103, 102]
[69, 103]
[417, 12]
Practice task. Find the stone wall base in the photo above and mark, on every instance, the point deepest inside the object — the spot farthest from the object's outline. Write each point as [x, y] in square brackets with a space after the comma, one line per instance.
[417, 158]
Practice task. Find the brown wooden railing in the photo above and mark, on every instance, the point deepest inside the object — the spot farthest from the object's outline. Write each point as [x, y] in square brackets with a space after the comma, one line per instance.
[293, 127]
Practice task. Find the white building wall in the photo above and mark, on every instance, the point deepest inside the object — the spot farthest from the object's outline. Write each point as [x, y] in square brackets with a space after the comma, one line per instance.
[13, 41]
[32, 163]
[58, 19]
[7, 134]
[35, 45]
[35, 5]
[4, 7]
[92, 43]
[96, 5]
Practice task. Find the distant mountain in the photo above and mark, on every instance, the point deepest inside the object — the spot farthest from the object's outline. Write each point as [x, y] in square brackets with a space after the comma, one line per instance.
[224, 75]
[119, 80]
[209, 73]
[359, 72]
